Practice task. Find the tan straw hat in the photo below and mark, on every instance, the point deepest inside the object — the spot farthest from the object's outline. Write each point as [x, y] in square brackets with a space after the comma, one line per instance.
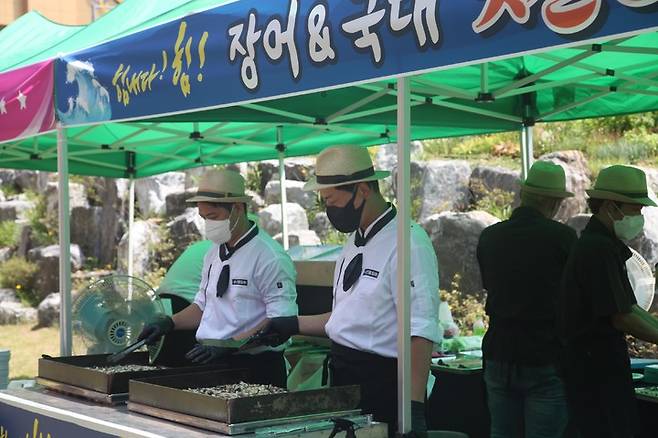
[546, 179]
[342, 165]
[622, 183]
[222, 186]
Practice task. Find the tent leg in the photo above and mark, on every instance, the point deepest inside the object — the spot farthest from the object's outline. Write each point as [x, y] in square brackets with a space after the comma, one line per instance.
[282, 185]
[403, 247]
[131, 223]
[526, 150]
[65, 332]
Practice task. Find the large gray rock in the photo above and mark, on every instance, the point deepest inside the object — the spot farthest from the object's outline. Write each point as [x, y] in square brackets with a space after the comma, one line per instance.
[47, 261]
[386, 157]
[77, 197]
[578, 180]
[175, 202]
[488, 179]
[440, 185]
[297, 169]
[22, 180]
[646, 243]
[95, 232]
[294, 192]
[151, 193]
[257, 203]
[8, 296]
[270, 218]
[455, 237]
[16, 313]
[48, 310]
[300, 237]
[15, 209]
[578, 222]
[146, 237]
[25, 238]
[6, 253]
[321, 225]
[186, 228]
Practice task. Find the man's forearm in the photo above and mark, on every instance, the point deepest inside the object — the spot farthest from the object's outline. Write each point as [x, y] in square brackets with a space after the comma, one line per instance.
[638, 323]
[188, 319]
[421, 356]
[313, 325]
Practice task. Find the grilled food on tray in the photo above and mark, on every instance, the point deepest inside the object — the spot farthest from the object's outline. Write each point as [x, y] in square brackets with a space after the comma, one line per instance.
[130, 368]
[238, 390]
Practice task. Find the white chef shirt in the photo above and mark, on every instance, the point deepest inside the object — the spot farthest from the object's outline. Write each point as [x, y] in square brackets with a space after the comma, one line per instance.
[365, 316]
[261, 284]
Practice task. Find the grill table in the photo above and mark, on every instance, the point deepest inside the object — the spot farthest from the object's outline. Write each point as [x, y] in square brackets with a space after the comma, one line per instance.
[63, 416]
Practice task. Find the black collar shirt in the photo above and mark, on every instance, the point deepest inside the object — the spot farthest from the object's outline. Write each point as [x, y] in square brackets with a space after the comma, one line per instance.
[595, 287]
[521, 262]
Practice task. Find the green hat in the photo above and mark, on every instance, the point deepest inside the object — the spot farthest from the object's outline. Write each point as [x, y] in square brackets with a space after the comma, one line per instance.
[546, 179]
[623, 184]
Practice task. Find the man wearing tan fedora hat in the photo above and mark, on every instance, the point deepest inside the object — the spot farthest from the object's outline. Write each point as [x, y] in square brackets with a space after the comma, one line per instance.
[246, 278]
[363, 322]
[521, 262]
[597, 307]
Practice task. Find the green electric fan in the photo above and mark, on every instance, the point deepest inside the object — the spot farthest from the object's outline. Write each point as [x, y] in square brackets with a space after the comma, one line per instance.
[110, 313]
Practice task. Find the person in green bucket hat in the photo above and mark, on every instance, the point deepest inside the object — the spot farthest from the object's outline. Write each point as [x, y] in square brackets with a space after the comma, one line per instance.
[597, 308]
[521, 262]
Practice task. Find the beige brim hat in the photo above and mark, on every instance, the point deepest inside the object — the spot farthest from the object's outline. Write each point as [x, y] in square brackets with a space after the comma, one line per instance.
[313, 183]
[343, 165]
[220, 186]
[225, 198]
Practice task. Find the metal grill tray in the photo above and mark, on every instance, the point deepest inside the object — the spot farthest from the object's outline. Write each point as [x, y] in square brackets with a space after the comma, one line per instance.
[73, 370]
[168, 393]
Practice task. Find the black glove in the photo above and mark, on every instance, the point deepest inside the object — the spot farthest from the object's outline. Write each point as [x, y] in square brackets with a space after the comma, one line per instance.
[156, 329]
[418, 423]
[277, 331]
[205, 354]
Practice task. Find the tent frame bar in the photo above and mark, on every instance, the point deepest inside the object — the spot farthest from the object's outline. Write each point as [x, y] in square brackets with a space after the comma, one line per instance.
[403, 281]
[65, 333]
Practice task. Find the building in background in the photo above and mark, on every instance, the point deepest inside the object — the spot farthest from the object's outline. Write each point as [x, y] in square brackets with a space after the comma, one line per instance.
[59, 11]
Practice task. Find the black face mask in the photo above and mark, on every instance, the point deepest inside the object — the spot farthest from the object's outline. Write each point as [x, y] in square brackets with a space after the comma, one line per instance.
[346, 219]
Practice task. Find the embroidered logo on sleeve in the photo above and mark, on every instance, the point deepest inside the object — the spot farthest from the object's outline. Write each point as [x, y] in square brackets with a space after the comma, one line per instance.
[371, 273]
[279, 285]
[239, 282]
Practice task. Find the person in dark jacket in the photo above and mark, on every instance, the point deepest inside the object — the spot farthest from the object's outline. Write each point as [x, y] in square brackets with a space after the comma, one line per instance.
[597, 307]
[521, 262]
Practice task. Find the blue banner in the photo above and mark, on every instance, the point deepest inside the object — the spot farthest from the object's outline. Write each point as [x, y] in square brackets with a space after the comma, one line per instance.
[19, 423]
[252, 49]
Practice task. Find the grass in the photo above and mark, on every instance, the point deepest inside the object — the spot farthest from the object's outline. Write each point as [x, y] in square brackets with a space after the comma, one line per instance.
[26, 347]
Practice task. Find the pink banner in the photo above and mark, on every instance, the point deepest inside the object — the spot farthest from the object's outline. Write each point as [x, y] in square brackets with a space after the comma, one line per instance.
[26, 101]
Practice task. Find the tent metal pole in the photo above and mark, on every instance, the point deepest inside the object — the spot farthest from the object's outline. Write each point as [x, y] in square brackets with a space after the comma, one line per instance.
[65, 332]
[403, 248]
[282, 186]
[131, 225]
[526, 150]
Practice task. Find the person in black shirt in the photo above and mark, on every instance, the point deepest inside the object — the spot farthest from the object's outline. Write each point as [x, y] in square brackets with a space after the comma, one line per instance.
[521, 262]
[597, 307]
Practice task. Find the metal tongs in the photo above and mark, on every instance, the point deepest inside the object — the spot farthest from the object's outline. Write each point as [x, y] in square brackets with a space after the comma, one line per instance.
[258, 340]
[116, 357]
